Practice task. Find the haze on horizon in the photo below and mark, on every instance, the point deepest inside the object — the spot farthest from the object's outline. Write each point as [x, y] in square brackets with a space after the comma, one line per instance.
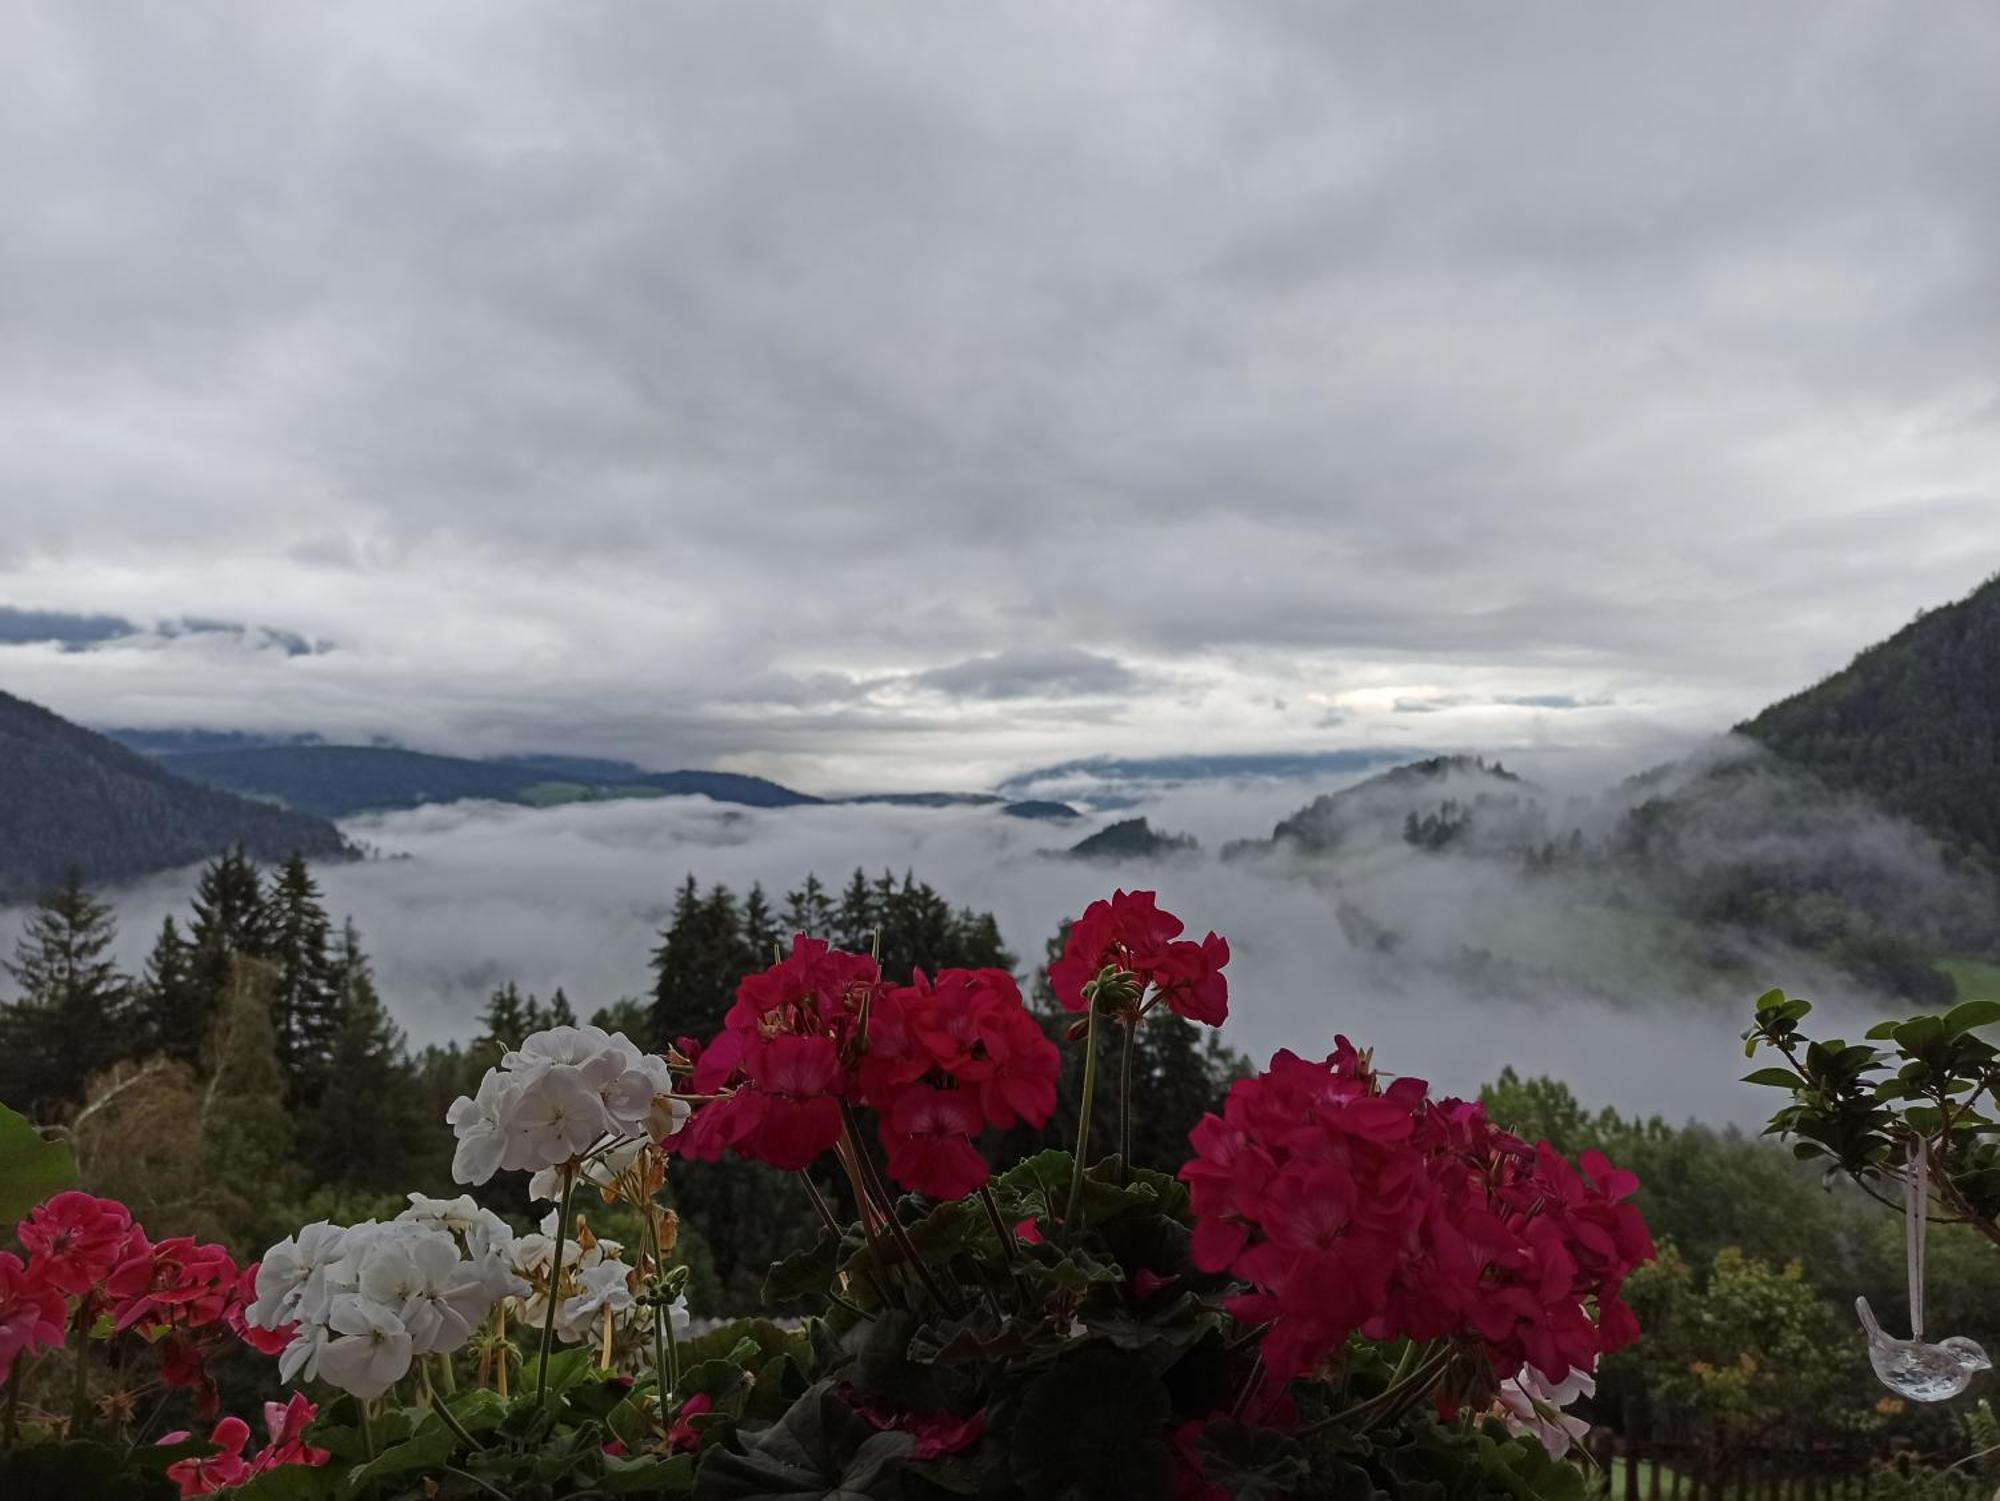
[877, 397]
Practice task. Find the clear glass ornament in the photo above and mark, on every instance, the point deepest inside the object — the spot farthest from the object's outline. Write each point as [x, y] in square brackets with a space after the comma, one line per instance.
[1910, 1367]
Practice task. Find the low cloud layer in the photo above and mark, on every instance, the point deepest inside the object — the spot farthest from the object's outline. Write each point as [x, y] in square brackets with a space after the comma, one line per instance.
[462, 898]
[661, 381]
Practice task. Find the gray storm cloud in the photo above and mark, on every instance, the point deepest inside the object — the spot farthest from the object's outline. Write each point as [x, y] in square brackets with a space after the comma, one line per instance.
[635, 377]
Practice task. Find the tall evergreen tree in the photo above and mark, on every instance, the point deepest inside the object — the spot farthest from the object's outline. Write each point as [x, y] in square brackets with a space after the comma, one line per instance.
[701, 957]
[761, 937]
[365, 1125]
[230, 920]
[73, 1016]
[505, 1022]
[808, 910]
[166, 989]
[856, 919]
[561, 1013]
[305, 1004]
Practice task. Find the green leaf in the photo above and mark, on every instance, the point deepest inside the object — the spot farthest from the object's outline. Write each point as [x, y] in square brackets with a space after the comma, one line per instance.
[1093, 1426]
[1881, 1031]
[819, 1448]
[31, 1166]
[803, 1272]
[1776, 1078]
[429, 1451]
[649, 1474]
[1969, 1014]
[1252, 1464]
[291, 1483]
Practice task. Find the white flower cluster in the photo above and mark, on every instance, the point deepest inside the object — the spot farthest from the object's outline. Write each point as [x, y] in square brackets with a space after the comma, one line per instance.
[1533, 1404]
[594, 1279]
[369, 1299]
[563, 1094]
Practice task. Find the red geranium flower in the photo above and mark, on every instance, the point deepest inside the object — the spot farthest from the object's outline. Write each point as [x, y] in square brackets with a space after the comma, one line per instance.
[928, 1137]
[1130, 932]
[219, 1471]
[76, 1239]
[31, 1312]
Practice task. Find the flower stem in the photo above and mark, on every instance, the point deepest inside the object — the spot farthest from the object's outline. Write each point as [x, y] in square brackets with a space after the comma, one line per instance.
[665, 1376]
[1131, 1025]
[555, 1282]
[500, 1336]
[79, 1401]
[1000, 1230]
[1083, 1118]
[904, 1244]
[445, 1414]
[367, 1429]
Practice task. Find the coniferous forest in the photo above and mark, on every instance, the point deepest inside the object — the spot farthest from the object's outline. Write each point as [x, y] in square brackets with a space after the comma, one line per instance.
[249, 1078]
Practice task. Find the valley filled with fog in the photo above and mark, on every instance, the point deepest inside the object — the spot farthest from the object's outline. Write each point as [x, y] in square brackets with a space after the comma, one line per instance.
[456, 899]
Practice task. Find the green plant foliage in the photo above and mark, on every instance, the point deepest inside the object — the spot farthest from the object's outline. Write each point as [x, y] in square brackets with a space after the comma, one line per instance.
[31, 1166]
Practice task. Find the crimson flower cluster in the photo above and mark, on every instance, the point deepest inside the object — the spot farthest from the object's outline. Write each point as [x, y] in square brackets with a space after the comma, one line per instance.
[285, 1424]
[938, 1060]
[1130, 932]
[1351, 1206]
[88, 1259]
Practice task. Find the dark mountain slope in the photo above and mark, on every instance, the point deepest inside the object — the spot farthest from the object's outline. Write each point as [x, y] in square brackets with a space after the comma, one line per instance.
[337, 781]
[1913, 722]
[70, 798]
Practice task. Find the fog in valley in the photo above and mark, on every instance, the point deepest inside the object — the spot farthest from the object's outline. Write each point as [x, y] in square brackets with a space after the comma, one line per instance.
[1399, 948]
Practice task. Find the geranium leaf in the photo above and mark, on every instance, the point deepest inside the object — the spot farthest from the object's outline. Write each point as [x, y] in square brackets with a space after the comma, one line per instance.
[31, 1166]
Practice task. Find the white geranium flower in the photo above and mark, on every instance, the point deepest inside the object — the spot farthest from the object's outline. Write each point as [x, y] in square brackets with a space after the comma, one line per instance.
[288, 1270]
[558, 1115]
[301, 1358]
[600, 1171]
[481, 1123]
[1532, 1404]
[604, 1286]
[373, 1351]
[555, 1097]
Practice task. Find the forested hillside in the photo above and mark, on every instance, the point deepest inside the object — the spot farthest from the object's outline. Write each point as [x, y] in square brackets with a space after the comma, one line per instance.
[74, 800]
[337, 781]
[1913, 722]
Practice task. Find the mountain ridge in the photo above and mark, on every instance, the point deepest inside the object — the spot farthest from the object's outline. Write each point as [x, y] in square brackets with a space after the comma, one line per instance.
[79, 800]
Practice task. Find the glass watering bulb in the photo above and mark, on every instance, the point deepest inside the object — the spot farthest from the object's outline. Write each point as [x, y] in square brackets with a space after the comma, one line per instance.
[1910, 1367]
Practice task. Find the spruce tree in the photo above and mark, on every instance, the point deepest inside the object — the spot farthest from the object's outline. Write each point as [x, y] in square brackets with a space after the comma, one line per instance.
[304, 1005]
[364, 1128]
[761, 938]
[505, 1022]
[73, 1016]
[808, 910]
[702, 956]
[561, 1013]
[166, 989]
[230, 921]
[856, 919]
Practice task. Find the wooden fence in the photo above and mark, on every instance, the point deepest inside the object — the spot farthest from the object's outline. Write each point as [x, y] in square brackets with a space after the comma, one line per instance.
[1645, 1469]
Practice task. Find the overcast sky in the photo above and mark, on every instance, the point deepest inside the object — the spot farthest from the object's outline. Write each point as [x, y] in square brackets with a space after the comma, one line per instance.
[906, 394]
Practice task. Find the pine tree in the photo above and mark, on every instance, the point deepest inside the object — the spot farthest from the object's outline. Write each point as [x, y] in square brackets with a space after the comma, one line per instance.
[365, 1125]
[304, 1005]
[701, 957]
[854, 917]
[561, 1013]
[808, 911]
[505, 1023]
[73, 1016]
[761, 938]
[230, 921]
[166, 990]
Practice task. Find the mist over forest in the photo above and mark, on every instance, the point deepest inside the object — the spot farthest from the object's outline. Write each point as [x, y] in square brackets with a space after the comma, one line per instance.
[1488, 966]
